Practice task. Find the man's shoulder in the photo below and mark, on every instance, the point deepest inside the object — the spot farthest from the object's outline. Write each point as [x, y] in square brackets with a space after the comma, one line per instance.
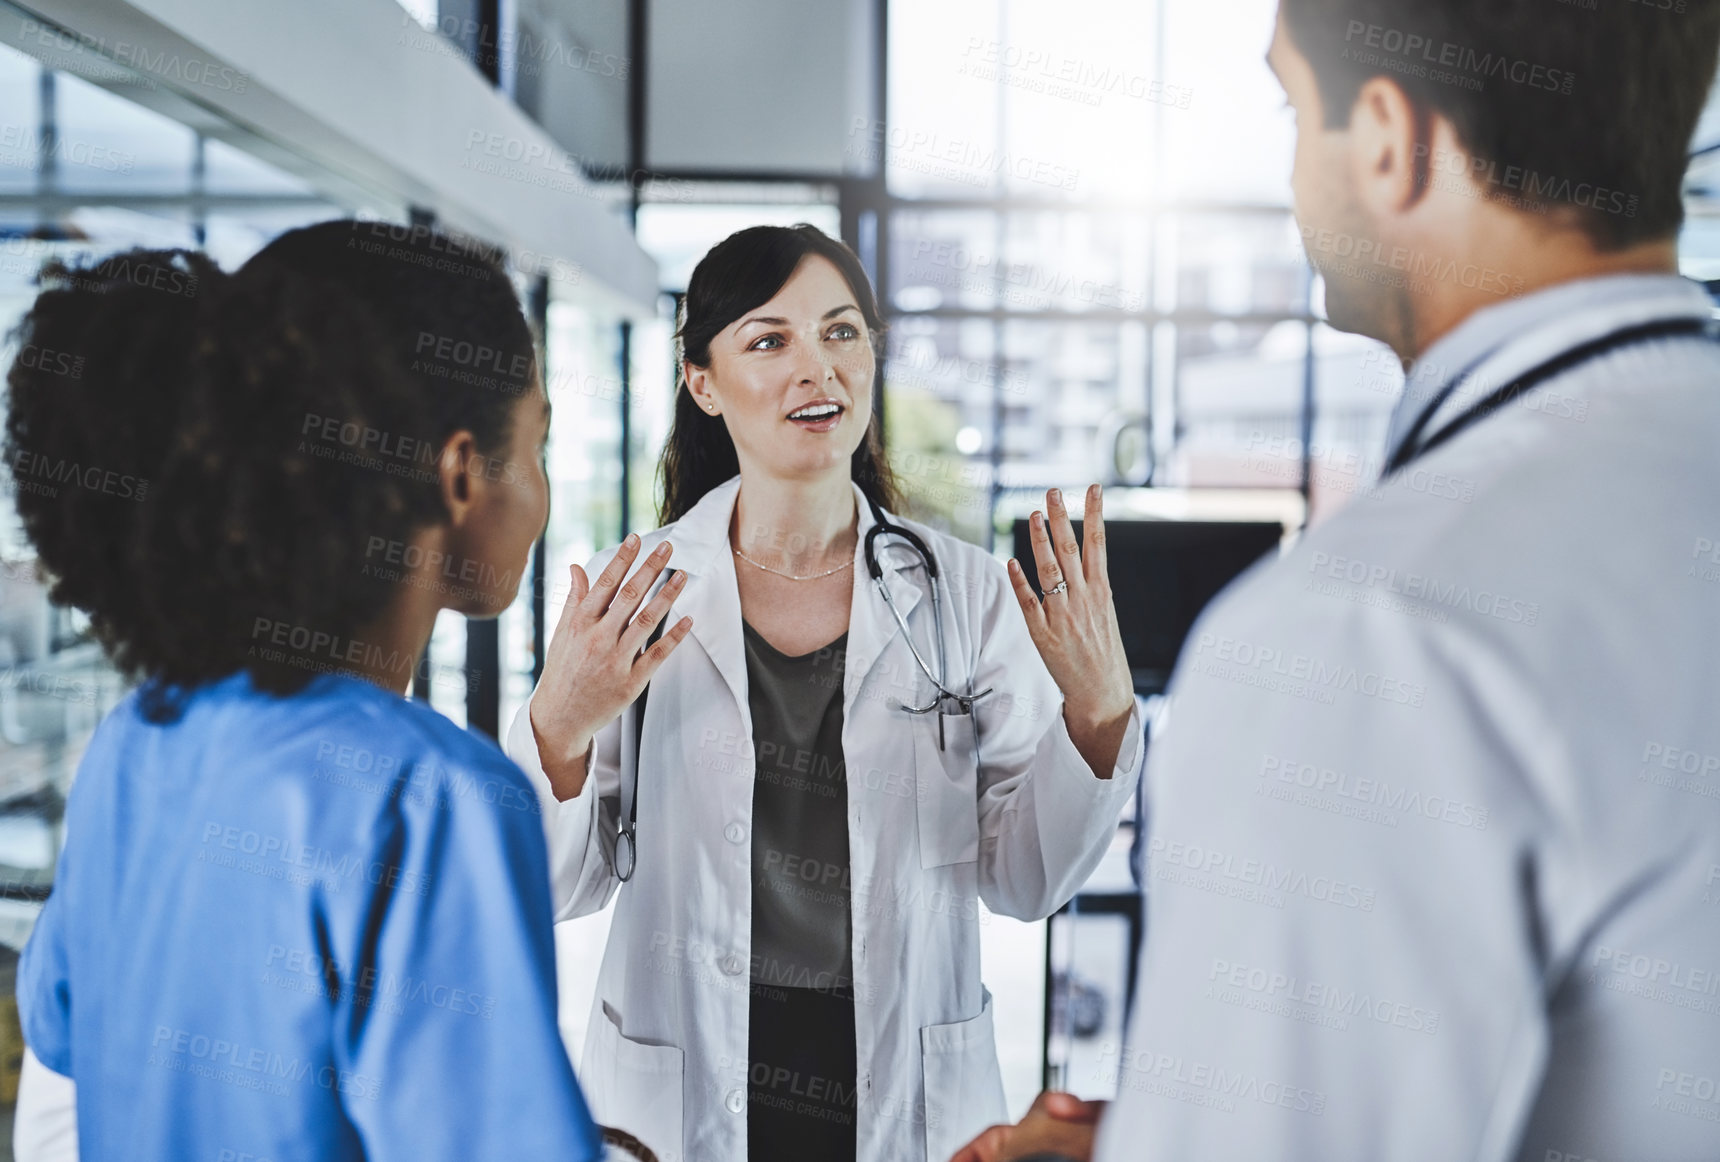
[1370, 601]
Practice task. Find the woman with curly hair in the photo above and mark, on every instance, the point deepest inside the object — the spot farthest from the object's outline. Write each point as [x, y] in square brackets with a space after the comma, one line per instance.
[296, 915]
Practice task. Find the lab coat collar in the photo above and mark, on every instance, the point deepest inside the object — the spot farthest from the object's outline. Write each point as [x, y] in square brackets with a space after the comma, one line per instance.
[712, 596]
[1498, 343]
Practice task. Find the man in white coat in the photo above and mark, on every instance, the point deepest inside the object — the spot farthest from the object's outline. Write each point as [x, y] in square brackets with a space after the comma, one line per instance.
[1434, 853]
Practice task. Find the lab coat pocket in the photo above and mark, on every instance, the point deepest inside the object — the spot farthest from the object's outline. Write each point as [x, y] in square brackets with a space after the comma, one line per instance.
[964, 1084]
[633, 1086]
[947, 786]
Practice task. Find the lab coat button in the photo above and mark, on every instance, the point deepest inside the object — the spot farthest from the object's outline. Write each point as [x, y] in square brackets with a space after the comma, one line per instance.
[735, 833]
[736, 1101]
[733, 964]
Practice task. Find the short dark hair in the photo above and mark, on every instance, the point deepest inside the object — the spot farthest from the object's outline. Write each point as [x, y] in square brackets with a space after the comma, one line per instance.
[1584, 108]
[738, 274]
[167, 435]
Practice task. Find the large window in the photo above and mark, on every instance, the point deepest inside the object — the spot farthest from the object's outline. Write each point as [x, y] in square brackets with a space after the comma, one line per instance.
[1092, 272]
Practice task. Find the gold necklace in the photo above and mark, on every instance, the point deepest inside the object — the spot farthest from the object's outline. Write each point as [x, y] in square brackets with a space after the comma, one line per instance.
[791, 576]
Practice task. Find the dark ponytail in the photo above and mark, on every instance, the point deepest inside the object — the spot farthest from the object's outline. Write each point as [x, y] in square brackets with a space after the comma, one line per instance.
[176, 439]
[742, 272]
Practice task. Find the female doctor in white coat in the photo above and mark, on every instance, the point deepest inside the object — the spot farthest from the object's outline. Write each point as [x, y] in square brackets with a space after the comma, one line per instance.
[793, 967]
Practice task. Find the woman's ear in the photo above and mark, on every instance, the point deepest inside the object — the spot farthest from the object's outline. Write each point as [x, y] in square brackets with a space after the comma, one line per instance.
[699, 387]
[454, 470]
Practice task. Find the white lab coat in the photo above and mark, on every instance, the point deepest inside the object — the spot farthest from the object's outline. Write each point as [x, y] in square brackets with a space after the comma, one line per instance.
[45, 1124]
[931, 834]
[1434, 850]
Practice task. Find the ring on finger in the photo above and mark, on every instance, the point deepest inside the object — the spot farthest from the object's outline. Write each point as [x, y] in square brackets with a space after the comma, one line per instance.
[1060, 587]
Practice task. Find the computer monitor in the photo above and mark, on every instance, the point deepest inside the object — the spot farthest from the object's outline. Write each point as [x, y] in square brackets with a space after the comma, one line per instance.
[1163, 573]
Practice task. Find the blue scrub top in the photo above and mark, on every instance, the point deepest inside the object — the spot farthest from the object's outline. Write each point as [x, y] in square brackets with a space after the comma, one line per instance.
[307, 927]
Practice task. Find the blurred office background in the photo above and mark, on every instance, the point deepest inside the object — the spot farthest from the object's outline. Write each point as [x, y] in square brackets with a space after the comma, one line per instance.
[1077, 217]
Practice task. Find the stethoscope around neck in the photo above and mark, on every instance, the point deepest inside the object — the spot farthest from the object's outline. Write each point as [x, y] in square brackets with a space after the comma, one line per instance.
[944, 700]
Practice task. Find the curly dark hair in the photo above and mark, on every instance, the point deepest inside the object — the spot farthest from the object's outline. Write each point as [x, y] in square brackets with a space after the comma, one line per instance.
[203, 460]
[740, 273]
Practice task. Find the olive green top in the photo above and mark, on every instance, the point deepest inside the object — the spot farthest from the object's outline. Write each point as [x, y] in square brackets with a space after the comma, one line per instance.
[800, 874]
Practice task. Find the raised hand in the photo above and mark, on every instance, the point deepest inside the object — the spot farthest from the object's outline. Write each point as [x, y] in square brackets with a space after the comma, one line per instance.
[1075, 628]
[594, 666]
